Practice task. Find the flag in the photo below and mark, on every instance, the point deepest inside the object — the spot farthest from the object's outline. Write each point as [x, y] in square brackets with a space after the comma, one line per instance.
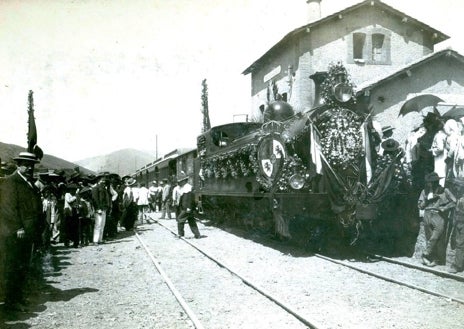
[315, 149]
[32, 146]
[367, 152]
[32, 130]
[335, 187]
[379, 186]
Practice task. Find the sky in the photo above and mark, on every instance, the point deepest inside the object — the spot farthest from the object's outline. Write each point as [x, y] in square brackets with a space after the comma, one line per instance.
[114, 74]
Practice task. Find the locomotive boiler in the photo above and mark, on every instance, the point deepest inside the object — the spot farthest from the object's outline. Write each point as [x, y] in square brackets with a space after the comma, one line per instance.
[312, 177]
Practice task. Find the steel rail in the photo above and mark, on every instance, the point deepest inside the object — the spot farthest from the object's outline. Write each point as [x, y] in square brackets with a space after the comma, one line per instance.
[171, 286]
[248, 282]
[388, 279]
[420, 268]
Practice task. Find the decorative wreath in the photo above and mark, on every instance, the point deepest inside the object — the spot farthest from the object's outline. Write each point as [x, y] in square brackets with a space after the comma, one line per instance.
[341, 137]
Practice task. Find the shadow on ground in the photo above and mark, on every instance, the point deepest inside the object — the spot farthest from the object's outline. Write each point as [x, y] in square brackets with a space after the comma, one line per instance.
[40, 287]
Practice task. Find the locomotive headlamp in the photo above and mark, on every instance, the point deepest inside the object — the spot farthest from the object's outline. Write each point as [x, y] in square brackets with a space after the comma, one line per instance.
[342, 92]
[296, 181]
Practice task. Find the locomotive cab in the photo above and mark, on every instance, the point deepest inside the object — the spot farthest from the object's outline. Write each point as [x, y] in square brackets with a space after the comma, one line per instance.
[224, 136]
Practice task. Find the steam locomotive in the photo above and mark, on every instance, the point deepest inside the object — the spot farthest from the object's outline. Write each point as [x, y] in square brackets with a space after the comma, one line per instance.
[312, 177]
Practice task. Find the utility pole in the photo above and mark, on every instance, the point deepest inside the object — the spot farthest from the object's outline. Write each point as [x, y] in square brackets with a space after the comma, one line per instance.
[156, 147]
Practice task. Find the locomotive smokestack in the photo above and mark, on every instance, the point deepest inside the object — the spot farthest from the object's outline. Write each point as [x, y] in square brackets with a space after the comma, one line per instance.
[314, 10]
[318, 79]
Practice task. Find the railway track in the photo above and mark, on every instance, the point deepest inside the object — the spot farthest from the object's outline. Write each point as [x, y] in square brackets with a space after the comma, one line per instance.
[299, 301]
[429, 281]
[457, 277]
[185, 305]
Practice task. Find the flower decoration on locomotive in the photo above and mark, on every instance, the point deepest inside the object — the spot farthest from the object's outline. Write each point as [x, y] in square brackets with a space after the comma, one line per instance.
[238, 163]
[341, 137]
[337, 87]
[339, 127]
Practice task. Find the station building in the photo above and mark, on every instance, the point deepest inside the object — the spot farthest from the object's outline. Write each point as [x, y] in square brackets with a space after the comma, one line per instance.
[389, 55]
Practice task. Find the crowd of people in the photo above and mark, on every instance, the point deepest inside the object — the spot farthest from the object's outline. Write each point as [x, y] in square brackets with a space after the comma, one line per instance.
[75, 210]
[434, 153]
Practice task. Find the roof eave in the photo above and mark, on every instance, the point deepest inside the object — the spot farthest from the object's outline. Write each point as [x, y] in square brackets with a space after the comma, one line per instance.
[440, 36]
[433, 56]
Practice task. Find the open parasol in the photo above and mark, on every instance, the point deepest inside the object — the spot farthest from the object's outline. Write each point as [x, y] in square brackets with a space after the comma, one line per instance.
[418, 103]
[454, 113]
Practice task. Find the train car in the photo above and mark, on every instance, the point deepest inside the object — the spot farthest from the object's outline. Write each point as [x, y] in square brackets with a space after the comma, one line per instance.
[168, 167]
[311, 177]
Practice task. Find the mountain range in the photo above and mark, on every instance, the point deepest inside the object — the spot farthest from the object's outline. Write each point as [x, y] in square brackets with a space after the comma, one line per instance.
[9, 151]
[122, 162]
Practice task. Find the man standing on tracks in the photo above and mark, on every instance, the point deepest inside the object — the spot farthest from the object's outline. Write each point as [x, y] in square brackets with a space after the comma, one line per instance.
[166, 199]
[20, 216]
[186, 207]
[436, 201]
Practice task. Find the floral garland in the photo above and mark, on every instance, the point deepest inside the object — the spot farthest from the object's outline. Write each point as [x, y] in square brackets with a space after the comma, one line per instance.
[292, 165]
[243, 163]
[336, 74]
[235, 164]
[264, 183]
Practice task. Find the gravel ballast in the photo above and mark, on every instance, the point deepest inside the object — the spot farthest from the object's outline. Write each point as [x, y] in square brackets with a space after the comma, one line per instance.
[116, 285]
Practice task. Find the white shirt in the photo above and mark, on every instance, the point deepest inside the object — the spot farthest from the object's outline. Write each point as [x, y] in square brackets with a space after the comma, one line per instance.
[176, 195]
[143, 194]
[185, 189]
[68, 199]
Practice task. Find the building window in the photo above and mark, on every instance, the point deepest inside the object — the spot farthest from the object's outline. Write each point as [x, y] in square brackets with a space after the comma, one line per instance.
[359, 43]
[378, 47]
[370, 47]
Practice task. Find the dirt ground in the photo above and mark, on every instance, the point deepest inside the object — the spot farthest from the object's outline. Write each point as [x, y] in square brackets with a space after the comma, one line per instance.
[115, 285]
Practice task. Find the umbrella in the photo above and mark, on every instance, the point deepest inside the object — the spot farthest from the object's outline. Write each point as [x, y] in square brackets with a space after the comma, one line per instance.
[418, 103]
[454, 113]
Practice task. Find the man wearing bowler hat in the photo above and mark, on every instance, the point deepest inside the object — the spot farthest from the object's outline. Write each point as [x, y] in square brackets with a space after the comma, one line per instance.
[20, 217]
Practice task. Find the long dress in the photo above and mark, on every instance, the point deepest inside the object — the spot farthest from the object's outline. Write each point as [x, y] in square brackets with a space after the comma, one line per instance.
[440, 154]
[458, 159]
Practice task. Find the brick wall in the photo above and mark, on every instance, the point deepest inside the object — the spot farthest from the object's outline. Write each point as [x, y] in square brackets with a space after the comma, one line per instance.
[313, 50]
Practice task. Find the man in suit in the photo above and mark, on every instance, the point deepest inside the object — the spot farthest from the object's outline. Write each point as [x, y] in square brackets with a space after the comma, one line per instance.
[20, 218]
[186, 208]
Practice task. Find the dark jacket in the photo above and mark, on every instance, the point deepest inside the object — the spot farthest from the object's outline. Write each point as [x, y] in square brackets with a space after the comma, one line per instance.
[101, 197]
[20, 206]
[186, 205]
